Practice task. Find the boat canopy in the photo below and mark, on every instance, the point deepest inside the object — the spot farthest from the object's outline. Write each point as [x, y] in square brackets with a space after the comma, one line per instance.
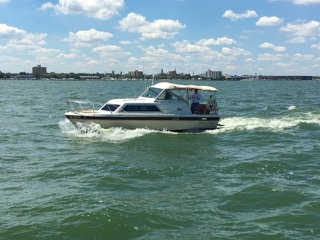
[172, 86]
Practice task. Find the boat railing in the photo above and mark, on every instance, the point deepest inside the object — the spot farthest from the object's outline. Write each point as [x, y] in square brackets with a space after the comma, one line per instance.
[79, 106]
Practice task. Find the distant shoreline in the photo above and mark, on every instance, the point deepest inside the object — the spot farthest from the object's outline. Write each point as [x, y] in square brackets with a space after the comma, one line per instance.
[265, 78]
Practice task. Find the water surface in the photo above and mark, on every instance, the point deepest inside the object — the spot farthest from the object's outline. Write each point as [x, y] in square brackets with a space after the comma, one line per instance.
[257, 177]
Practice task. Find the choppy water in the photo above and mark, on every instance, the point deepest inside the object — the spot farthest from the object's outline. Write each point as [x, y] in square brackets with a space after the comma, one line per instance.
[258, 177]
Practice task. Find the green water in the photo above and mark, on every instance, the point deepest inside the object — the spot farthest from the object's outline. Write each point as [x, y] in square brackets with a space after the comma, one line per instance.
[257, 177]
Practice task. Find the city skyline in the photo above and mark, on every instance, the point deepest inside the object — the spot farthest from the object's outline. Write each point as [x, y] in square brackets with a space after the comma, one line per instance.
[40, 72]
[268, 37]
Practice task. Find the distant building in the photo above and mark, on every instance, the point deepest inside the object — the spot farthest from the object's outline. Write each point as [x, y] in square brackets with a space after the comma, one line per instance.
[39, 71]
[214, 74]
[172, 74]
[135, 73]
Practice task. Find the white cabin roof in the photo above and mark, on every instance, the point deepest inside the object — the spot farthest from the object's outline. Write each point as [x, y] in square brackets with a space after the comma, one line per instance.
[170, 86]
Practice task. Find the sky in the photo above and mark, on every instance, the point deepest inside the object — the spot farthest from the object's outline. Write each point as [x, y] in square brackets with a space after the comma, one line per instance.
[237, 37]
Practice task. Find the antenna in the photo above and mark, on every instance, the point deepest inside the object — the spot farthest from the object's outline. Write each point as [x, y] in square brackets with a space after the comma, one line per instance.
[143, 68]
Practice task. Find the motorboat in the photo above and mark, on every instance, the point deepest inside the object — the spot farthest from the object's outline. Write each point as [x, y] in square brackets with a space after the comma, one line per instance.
[163, 106]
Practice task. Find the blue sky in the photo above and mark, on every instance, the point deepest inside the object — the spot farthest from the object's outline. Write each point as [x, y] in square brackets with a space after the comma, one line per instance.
[269, 37]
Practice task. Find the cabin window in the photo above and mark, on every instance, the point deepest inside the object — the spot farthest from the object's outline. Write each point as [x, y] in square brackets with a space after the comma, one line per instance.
[141, 108]
[110, 107]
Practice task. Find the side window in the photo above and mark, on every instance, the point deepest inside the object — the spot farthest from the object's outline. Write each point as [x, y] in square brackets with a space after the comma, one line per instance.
[152, 108]
[131, 108]
[141, 108]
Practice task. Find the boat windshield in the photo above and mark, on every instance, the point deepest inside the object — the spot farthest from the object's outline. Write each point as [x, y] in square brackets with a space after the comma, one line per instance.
[151, 92]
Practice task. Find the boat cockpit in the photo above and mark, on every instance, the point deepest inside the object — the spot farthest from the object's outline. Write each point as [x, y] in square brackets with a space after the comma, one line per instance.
[180, 95]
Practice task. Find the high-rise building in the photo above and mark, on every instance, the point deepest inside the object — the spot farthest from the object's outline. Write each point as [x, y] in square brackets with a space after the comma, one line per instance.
[172, 74]
[135, 73]
[213, 74]
[39, 71]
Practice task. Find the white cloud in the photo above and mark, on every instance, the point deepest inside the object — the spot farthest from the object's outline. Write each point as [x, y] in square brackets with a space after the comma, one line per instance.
[108, 51]
[158, 29]
[93, 35]
[266, 45]
[133, 22]
[249, 60]
[4, 1]
[279, 48]
[302, 57]
[68, 56]
[275, 48]
[232, 68]
[99, 9]
[268, 21]
[268, 57]
[186, 47]
[297, 40]
[308, 29]
[19, 39]
[157, 58]
[24, 44]
[125, 42]
[218, 41]
[92, 62]
[283, 64]
[306, 2]
[86, 38]
[160, 55]
[9, 32]
[235, 52]
[237, 16]
[243, 37]
[299, 2]
[316, 46]
[113, 57]
[29, 49]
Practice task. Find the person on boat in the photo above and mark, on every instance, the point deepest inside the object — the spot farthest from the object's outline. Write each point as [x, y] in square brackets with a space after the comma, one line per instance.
[196, 99]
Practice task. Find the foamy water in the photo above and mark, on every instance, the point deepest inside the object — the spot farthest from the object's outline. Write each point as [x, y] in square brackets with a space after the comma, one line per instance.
[92, 130]
[272, 124]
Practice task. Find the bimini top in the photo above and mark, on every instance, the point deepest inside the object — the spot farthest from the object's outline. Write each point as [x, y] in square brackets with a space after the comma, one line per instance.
[167, 85]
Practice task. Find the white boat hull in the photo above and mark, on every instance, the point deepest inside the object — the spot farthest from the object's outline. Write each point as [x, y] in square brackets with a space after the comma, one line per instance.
[170, 123]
